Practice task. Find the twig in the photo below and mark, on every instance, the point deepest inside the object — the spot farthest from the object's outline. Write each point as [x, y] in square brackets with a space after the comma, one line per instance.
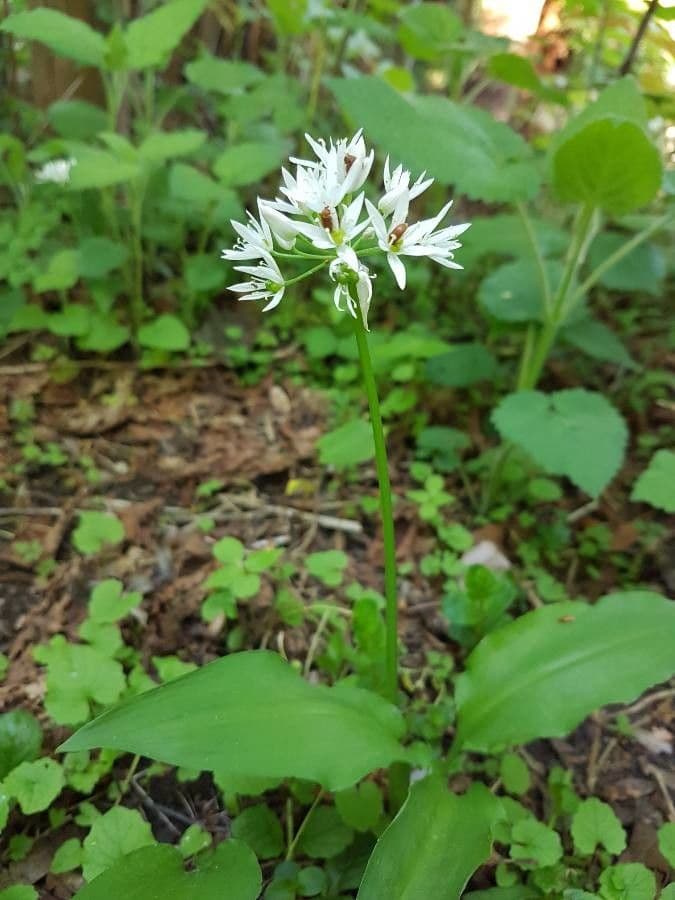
[6, 511]
[646, 701]
[579, 513]
[663, 787]
[150, 804]
[627, 64]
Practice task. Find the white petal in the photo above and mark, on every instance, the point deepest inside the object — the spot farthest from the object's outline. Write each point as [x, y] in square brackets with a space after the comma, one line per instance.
[397, 267]
[377, 221]
[275, 301]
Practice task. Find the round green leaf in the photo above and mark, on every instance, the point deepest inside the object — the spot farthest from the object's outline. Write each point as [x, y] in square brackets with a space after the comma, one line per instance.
[596, 823]
[325, 834]
[627, 881]
[35, 785]
[166, 332]
[610, 163]
[656, 485]
[20, 739]
[259, 827]
[113, 835]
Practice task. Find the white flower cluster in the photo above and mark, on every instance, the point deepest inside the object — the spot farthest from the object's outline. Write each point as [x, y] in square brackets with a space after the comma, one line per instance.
[56, 171]
[322, 214]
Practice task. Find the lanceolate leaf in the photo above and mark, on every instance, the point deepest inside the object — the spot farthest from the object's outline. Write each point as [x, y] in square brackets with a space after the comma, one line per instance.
[151, 39]
[456, 144]
[542, 674]
[157, 873]
[63, 34]
[251, 714]
[433, 846]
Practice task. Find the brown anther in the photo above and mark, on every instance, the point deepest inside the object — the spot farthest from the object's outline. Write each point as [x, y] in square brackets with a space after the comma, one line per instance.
[398, 232]
[349, 161]
[326, 218]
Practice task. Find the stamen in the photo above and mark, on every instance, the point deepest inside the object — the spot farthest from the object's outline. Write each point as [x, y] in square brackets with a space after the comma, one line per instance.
[397, 233]
[349, 161]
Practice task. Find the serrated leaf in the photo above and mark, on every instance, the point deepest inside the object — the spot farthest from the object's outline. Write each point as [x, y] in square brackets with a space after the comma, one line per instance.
[246, 163]
[163, 145]
[535, 845]
[610, 164]
[574, 432]
[35, 785]
[113, 835]
[656, 485]
[542, 674]
[456, 144]
[108, 603]
[433, 846]
[63, 34]
[222, 76]
[595, 823]
[270, 724]
[153, 37]
[627, 881]
[157, 873]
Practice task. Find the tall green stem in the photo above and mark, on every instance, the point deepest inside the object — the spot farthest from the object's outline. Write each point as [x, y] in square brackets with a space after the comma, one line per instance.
[386, 510]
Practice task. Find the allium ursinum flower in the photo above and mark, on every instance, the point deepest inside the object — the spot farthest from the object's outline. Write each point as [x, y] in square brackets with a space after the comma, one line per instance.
[345, 275]
[344, 166]
[335, 228]
[400, 239]
[266, 282]
[56, 171]
[399, 193]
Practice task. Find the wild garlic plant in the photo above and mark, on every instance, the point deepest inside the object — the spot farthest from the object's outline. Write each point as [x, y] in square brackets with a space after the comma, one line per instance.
[322, 215]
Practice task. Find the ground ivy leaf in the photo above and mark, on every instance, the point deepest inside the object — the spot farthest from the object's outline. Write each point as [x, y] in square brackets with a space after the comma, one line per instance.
[325, 834]
[575, 432]
[534, 845]
[595, 823]
[327, 566]
[514, 774]
[67, 857]
[112, 836]
[96, 530]
[109, 604]
[361, 806]
[259, 827]
[35, 785]
[627, 881]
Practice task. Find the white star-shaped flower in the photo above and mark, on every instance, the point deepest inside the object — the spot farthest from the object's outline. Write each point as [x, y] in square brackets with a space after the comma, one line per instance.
[400, 239]
[266, 282]
[399, 193]
[344, 273]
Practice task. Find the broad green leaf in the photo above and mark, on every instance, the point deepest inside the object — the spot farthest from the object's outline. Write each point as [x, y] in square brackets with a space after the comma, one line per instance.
[610, 164]
[325, 835]
[166, 332]
[205, 272]
[433, 846]
[19, 892]
[20, 739]
[105, 334]
[456, 144]
[514, 774]
[72, 320]
[462, 366]
[361, 806]
[627, 881]
[63, 34]
[165, 145]
[203, 195]
[327, 565]
[574, 432]
[222, 75]
[77, 119]
[515, 70]
[347, 445]
[513, 291]
[643, 269]
[157, 873]
[259, 828]
[668, 893]
[35, 785]
[542, 674]
[667, 842]
[60, 273]
[623, 98]
[113, 835]
[269, 724]
[656, 485]
[505, 235]
[595, 823]
[596, 340]
[429, 31]
[151, 39]
[96, 168]
[109, 603]
[247, 163]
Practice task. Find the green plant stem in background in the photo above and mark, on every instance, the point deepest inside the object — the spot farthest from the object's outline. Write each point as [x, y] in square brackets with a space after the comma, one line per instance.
[386, 510]
[536, 249]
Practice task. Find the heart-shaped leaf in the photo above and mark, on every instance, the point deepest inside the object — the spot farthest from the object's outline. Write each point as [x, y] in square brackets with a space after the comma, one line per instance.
[575, 433]
[542, 674]
[251, 714]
